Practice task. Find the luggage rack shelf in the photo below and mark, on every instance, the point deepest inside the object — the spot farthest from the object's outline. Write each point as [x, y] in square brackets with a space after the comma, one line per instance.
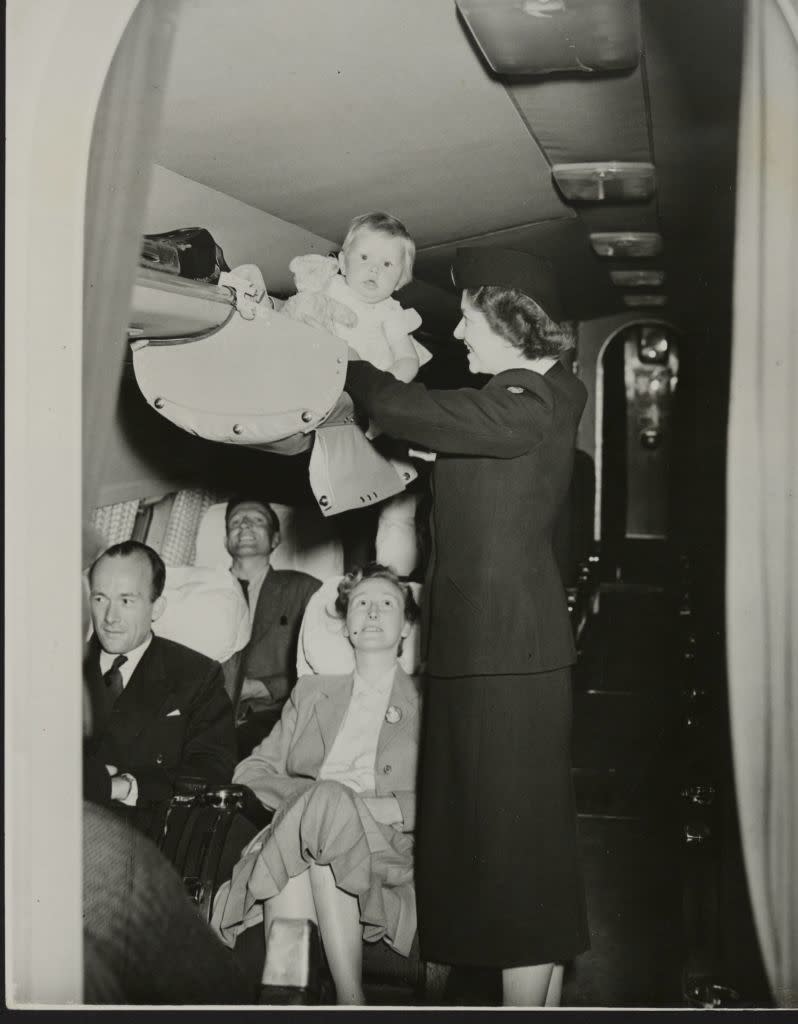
[169, 308]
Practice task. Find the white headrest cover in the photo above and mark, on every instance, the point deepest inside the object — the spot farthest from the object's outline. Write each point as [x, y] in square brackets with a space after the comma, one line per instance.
[205, 610]
[324, 650]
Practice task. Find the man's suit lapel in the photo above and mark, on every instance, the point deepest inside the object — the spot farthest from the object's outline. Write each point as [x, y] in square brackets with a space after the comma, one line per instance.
[142, 699]
[94, 685]
[268, 606]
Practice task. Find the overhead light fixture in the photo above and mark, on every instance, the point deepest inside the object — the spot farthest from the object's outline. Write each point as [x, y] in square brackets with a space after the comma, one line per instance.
[626, 244]
[638, 278]
[598, 182]
[644, 300]
[538, 37]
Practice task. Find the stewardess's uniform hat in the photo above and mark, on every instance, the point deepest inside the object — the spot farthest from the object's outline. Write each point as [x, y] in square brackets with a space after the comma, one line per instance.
[480, 266]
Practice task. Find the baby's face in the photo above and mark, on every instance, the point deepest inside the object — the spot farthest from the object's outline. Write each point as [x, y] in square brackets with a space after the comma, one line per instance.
[372, 265]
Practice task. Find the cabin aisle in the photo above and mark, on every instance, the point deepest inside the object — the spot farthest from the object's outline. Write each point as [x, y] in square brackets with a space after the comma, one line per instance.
[626, 704]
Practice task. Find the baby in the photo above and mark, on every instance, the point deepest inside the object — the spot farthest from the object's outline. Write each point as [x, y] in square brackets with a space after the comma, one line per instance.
[375, 261]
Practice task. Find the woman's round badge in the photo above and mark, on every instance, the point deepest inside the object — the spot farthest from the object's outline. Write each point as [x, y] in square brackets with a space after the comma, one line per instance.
[393, 715]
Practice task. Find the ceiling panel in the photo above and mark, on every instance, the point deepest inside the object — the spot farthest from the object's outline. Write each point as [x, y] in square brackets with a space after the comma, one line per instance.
[313, 112]
[586, 118]
[693, 60]
[334, 109]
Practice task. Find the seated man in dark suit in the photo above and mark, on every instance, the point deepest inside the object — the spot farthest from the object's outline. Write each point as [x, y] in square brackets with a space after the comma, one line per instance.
[159, 709]
[260, 677]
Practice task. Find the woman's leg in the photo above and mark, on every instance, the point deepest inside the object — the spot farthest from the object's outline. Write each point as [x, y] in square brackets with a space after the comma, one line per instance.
[295, 901]
[530, 986]
[554, 994]
[341, 934]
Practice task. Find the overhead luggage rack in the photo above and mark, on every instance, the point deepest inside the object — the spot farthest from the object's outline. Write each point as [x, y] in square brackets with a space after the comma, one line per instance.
[263, 381]
[166, 309]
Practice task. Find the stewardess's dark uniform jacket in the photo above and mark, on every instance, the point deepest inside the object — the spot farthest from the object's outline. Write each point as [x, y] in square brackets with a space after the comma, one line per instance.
[505, 457]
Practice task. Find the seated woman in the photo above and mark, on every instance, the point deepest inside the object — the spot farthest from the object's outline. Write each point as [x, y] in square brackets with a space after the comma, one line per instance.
[339, 771]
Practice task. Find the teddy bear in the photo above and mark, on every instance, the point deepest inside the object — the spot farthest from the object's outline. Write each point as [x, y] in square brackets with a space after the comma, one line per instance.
[312, 273]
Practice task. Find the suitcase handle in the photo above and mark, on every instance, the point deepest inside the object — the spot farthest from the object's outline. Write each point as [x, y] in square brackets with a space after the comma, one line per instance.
[230, 797]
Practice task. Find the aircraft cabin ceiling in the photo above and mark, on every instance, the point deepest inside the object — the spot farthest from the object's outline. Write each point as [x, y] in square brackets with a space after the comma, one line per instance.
[314, 111]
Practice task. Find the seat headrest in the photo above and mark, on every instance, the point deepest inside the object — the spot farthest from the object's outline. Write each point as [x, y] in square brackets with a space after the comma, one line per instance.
[324, 650]
[205, 610]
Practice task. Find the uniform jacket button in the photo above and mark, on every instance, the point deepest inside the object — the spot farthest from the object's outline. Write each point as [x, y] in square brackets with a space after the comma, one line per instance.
[159, 759]
[387, 770]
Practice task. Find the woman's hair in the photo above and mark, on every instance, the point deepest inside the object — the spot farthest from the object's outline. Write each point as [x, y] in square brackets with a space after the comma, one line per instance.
[522, 322]
[385, 224]
[374, 571]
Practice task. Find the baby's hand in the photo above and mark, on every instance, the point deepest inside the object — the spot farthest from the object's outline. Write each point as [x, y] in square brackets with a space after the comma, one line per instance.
[249, 272]
[247, 284]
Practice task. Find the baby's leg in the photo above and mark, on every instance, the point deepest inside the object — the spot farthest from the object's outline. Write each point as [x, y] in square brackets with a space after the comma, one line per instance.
[295, 902]
[396, 542]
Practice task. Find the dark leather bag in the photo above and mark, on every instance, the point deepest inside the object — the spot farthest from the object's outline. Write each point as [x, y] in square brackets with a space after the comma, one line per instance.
[186, 252]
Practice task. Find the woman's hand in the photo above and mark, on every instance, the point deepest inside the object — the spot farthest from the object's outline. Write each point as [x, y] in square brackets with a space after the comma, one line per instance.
[384, 809]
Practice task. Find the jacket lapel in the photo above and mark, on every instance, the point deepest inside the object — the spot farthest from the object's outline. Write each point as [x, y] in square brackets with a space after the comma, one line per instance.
[145, 695]
[94, 685]
[404, 697]
[268, 606]
[335, 693]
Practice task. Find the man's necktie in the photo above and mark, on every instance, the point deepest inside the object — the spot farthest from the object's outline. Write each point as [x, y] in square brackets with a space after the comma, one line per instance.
[104, 694]
[244, 587]
[113, 679]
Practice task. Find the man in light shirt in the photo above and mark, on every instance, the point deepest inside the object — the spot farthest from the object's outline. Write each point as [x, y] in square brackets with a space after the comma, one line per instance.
[260, 677]
[159, 709]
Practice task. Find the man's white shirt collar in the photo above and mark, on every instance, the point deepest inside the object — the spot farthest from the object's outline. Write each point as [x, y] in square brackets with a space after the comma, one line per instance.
[254, 588]
[129, 667]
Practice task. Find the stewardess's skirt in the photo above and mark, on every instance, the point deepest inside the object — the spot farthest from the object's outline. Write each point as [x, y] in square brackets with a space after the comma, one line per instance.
[498, 879]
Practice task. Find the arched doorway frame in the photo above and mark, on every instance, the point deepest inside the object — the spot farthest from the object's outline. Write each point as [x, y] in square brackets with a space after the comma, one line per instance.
[58, 59]
[599, 418]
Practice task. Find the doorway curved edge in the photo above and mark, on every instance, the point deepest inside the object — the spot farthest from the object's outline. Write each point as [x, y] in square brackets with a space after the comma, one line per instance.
[635, 321]
[59, 58]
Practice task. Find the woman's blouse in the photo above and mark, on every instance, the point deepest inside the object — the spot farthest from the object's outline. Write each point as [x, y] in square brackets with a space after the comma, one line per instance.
[351, 758]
